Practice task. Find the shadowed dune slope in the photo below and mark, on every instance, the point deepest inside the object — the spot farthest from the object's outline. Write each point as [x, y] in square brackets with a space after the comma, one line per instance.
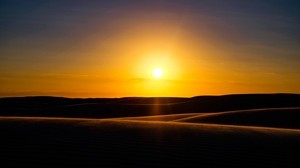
[169, 117]
[280, 117]
[57, 142]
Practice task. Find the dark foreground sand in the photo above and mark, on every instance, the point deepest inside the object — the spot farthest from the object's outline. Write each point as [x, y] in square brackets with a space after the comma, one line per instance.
[60, 142]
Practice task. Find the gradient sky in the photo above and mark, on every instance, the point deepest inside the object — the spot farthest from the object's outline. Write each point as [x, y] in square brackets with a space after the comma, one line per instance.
[108, 48]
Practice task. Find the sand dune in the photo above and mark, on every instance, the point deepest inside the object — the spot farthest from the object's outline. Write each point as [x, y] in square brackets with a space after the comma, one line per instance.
[280, 117]
[143, 132]
[170, 117]
[274, 117]
[59, 142]
[136, 107]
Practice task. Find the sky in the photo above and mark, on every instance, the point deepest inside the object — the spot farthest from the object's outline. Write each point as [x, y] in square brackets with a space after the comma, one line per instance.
[109, 48]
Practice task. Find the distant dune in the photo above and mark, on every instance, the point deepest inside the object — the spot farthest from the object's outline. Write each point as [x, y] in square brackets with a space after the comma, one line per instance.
[133, 107]
[261, 130]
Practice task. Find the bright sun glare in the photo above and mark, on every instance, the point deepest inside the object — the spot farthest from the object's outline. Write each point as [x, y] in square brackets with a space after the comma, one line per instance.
[157, 72]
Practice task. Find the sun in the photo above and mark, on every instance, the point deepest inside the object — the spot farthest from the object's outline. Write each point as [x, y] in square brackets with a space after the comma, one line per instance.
[157, 73]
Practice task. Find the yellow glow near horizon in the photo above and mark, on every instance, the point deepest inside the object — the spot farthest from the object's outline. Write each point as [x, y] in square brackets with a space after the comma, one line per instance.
[124, 59]
[157, 72]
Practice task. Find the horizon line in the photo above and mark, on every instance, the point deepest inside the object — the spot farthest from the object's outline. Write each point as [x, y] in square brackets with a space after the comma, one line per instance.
[204, 95]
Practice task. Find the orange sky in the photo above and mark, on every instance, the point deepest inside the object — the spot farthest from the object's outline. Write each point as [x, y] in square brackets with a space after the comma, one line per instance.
[112, 54]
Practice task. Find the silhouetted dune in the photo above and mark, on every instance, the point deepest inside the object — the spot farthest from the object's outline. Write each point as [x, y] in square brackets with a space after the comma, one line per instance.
[42, 142]
[244, 101]
[131, 107]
